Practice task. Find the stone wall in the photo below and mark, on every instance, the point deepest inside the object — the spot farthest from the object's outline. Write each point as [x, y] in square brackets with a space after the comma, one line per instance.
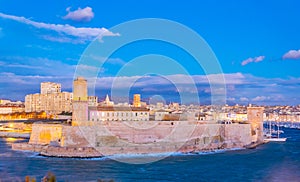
[73, 137]
[108, 138]
[43, 134]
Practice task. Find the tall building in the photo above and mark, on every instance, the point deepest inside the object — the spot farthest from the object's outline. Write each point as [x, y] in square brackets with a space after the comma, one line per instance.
[50, 87]
[136, 100]
[51, 100]
[80, 102]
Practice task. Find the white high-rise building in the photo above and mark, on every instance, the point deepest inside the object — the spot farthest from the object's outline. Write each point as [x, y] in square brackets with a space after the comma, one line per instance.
[51, 100]
[50, 87]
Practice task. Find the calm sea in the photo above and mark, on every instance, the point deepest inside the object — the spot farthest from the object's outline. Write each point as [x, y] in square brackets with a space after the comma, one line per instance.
[269, 162]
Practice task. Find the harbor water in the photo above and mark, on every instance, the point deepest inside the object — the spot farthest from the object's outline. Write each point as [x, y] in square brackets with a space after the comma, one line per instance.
[269, 162]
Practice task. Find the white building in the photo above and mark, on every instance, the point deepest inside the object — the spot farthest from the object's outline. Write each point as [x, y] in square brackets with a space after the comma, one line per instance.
[8, 109]
[109, 113]
[51, 99]
[50, 87]
[159, 115]
[106, 102]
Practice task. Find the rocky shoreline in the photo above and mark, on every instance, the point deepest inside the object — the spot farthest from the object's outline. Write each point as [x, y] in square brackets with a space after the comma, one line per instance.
[14, 135]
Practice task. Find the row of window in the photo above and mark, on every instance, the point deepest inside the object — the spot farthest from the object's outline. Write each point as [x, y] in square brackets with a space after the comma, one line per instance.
[122, 114]
[110, 119]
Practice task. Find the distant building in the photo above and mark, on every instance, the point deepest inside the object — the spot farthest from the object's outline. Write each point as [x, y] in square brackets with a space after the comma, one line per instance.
[8, 109]
[53, 103]
[3, 102]
[106, 102]
[159, 115]
[159, 105]
[50, 87]
[9, 102]
[136, 100]
[174, 106]
[92, 100]
[23, 116]
[51, 100]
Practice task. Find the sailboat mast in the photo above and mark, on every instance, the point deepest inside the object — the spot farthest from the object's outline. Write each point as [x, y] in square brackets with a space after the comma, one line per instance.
[270, 128]
[277, 129]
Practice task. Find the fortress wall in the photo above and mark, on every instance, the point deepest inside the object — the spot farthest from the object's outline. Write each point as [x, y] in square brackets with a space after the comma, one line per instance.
[43, 134]
[237, 135]
[73, 137]
[110, 138]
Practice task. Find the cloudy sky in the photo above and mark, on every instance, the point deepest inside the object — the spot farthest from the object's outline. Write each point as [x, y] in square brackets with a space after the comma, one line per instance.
[256, 43]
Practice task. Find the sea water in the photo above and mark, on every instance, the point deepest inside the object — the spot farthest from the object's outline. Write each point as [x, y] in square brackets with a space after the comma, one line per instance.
[269, 162]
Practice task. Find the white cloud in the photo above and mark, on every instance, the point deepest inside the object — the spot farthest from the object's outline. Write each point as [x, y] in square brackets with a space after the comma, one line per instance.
[102, 60]
[84, 33]
[244, 99]
[63, 39]
[81, 15]
[253, 60]
[292, 54]
[36, 66]
[261, 98]
[231, 99]
[188, 81]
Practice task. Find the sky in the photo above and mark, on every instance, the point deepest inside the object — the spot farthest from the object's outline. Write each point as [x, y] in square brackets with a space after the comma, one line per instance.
[255, 43]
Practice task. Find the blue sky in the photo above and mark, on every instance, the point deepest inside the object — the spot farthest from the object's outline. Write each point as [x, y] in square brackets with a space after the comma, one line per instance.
[257, 44]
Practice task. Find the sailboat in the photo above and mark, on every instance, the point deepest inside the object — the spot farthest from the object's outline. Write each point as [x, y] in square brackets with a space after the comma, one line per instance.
[271, 138]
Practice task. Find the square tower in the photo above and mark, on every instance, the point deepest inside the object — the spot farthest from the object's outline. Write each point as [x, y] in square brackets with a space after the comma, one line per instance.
[255, 117]
[80, 102]
[136, 100]
[80, 92]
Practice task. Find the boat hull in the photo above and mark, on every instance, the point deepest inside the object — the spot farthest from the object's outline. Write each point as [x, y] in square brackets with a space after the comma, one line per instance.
[275, 139]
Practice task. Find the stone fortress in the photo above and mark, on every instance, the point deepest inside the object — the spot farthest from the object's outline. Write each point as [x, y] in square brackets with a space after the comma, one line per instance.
[98, 131]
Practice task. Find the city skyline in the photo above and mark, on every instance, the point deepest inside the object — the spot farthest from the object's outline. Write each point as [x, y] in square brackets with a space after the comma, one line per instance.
[256, 43]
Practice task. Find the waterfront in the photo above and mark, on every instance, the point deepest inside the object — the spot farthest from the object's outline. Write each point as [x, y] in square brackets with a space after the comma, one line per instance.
[269, 162]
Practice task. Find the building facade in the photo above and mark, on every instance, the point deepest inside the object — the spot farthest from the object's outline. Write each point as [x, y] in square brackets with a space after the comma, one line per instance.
[136, 100]
[50, 87]
[118, 114]
[6, 109]
[92, 100]
[53, 103]
[51, 100]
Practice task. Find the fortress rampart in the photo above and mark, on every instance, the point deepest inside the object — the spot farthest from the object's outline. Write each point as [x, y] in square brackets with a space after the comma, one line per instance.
[109, 138]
